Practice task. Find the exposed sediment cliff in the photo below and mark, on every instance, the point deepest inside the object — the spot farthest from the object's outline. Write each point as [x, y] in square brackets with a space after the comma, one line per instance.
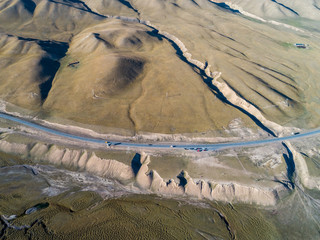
[146, 179]
[301, 169]
[226, 192]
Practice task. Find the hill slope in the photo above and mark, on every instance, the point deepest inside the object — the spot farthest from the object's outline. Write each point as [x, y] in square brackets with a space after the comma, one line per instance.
[125, 65]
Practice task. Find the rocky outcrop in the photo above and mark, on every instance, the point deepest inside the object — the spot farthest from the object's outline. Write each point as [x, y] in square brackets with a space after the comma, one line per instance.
[80, 160]
[16, 148]
[142, 178]
[140, 175]
[226, 192]
[237, 193]
[301, 169]
[158, 185]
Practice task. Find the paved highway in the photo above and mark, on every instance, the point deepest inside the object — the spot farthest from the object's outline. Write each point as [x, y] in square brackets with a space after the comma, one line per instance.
[162, 146]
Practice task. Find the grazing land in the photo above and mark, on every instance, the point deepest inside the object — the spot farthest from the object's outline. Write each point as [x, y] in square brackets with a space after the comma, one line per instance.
[159, 119]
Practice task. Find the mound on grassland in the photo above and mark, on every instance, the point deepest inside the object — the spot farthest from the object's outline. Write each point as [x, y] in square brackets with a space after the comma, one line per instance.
[257, 59]
[26, 69]
[122, 75]
[45, 19]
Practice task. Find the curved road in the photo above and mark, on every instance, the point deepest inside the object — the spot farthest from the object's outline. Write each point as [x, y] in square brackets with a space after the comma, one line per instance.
[141, 145]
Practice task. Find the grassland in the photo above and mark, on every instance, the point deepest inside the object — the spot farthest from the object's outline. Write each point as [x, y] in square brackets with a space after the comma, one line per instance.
[127, 78]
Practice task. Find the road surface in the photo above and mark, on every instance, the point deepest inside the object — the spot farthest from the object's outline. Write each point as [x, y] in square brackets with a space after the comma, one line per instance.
[215, 146]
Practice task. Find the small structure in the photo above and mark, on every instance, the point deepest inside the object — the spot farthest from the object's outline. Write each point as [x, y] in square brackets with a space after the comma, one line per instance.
[301, 45]
[73, 64]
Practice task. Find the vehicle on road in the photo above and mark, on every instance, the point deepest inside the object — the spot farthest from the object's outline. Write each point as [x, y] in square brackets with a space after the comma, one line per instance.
[199, 149]
[130, 143]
